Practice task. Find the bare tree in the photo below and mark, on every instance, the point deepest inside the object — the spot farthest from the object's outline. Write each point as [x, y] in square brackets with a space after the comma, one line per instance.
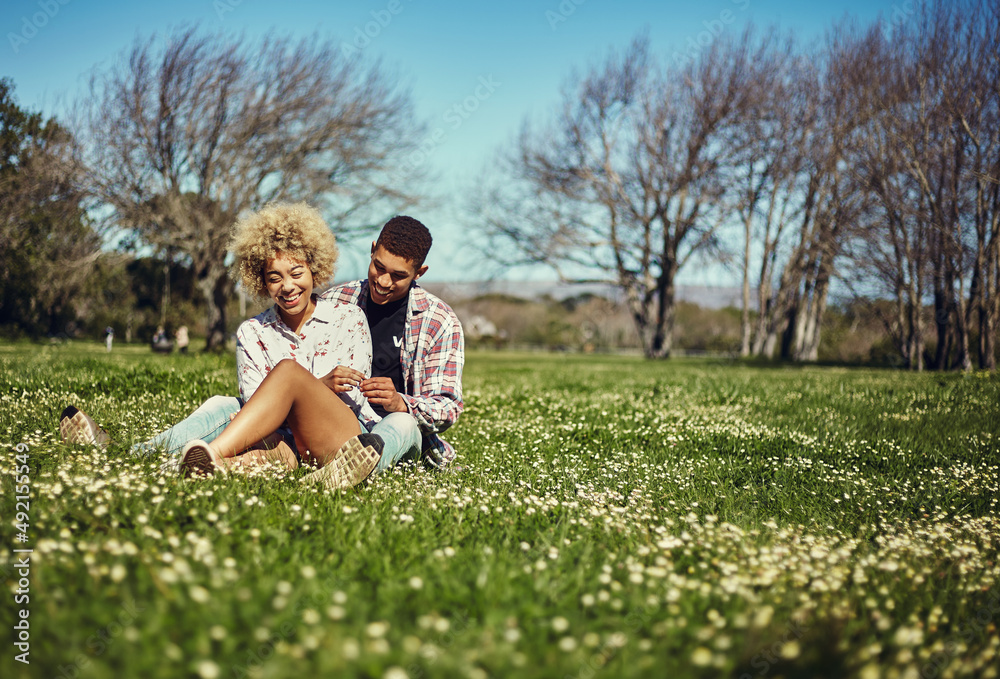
[832, 201]
[624, 185]
[974, 106]
[894, 254]
[764, 173]
[932, 164]
[792, 193]
[184, 135]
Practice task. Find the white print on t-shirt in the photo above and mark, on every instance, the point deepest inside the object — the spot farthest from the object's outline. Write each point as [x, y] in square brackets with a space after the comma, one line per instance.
[398, 341]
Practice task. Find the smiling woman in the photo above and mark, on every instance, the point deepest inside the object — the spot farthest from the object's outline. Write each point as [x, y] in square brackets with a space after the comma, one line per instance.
[282, 251]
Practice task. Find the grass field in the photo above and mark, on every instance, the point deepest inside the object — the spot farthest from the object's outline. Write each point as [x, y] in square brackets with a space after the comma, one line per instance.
[615, 518]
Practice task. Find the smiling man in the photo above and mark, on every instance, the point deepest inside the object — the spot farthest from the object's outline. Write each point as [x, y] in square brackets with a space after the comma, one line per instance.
[418, 348]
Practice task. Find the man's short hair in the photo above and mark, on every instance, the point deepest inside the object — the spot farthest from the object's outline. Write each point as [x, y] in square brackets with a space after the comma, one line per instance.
[407, 238]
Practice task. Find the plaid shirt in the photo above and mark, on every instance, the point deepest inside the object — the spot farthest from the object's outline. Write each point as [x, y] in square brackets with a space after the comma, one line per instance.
[432, 357]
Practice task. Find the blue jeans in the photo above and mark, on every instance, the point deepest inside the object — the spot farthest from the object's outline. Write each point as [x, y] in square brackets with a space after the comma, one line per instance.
[402, 439]
[205, 423]
[399, 431]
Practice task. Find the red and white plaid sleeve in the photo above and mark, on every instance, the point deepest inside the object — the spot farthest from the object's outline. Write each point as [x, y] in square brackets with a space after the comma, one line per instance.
[434, 368]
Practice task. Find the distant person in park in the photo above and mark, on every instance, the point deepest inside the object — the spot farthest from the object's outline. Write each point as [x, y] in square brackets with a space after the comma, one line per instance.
[182, 339]
[161, 343]
[109, 338]
[419, 356]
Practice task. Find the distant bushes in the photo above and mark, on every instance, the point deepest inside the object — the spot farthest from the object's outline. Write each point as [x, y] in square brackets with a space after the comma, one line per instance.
[852, 333]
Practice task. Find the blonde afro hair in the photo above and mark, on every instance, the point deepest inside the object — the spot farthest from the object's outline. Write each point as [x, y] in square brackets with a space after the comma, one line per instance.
[293, 229]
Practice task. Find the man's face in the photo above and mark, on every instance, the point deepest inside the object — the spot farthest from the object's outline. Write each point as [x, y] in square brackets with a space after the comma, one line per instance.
[389, 276]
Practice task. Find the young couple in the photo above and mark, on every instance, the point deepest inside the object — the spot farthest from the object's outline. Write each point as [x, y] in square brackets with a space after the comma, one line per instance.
[350, 381]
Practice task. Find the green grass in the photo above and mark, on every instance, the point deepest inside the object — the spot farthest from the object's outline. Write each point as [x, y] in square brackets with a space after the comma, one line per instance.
[615, 518]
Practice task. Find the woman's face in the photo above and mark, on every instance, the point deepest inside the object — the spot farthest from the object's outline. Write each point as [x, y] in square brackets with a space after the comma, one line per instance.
[289, 284]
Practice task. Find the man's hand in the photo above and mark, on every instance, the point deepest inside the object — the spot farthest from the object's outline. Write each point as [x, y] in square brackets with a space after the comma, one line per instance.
[342, 379]
[381, 391]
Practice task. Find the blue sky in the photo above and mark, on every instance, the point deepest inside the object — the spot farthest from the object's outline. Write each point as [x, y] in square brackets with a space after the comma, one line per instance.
[442, 50]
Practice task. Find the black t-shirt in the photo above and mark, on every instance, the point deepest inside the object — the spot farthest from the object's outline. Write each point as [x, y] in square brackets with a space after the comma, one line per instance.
[388, 326]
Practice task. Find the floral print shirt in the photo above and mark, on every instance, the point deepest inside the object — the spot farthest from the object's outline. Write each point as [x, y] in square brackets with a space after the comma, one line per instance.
[335, 334]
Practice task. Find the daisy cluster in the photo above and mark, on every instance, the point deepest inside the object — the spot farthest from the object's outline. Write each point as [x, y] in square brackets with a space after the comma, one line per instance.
[614, 518]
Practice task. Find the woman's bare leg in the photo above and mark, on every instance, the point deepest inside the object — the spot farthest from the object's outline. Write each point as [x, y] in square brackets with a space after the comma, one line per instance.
[320, 421]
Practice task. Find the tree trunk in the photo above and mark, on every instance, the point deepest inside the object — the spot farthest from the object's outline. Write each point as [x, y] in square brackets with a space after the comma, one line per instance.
[637, 307]
[963, 361]
[987, 341]
[666, 311]
[669, 317]
[745, 312]
[983, 289]
[989, 312]
[788, 334]
[942, 325]
[916, 361]
[809, 344]
[759, 346]
[216, 287]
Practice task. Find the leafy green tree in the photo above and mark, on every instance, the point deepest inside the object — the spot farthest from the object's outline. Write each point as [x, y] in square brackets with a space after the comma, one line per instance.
[47, 244]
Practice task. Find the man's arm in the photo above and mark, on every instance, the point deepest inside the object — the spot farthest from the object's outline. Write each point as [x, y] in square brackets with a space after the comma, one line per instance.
[437, 372]
[437, 399]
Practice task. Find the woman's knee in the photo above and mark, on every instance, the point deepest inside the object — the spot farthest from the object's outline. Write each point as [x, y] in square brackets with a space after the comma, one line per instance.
[285, 364]
[403, 421]
[218, 403]
[288, 367]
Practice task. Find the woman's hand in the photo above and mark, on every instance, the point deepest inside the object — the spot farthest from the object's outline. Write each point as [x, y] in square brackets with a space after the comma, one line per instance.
[342, 379]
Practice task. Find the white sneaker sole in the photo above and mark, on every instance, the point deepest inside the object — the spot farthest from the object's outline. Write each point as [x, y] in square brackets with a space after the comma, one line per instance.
[198, 459]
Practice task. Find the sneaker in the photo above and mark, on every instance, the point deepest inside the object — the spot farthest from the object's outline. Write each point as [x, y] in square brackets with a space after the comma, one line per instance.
[76, 426]
[351, 465]
[200, 459]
